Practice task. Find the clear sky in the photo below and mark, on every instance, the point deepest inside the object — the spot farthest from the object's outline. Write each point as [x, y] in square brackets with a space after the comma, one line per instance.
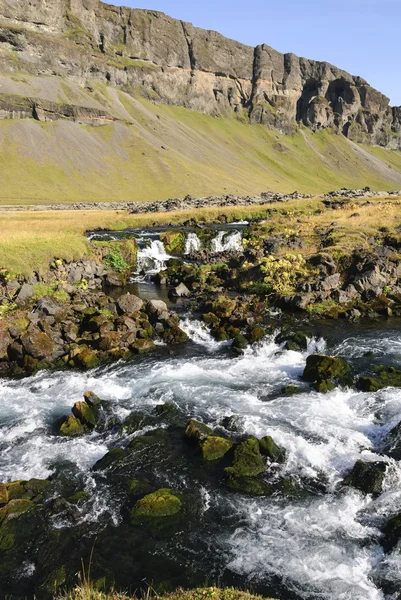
[362, 37]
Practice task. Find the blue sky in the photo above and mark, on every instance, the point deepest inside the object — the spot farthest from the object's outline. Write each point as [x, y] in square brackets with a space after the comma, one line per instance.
[360, 36]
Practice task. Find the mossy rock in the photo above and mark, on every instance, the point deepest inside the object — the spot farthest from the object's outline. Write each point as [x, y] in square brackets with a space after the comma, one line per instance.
[197, 431]
[211, 319]
[142, 346]
[112, 457]
[85, 414]
[72, 427]
[3, 494]
[324, 386]
[79, 497]
[248, 485]
[367, 477]
[222, 306]
[15, 508]
[270, 449]
[174, 242]
[87, 359]
[386, 377]
[163, 503]
[248, 461]
[240, 343]
[215, 448]
[255, 335]
[92, 399]
[291, 390]
[168, 408]
[137, 487]
[321, 368]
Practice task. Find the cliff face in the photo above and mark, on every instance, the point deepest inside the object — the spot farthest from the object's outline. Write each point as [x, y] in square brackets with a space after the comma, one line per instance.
[149, 54]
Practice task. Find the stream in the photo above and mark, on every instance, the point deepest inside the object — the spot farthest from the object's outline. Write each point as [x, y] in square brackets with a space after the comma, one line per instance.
[325, 544]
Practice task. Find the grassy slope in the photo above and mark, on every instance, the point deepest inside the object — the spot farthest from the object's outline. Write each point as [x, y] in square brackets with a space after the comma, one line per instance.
[162, 151]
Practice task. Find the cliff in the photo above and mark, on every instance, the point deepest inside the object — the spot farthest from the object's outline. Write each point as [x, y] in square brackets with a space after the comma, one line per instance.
[150, 55]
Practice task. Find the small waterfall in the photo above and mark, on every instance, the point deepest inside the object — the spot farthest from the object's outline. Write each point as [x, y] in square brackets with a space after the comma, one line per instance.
[152, 259]
[225, 242]
[192, 243]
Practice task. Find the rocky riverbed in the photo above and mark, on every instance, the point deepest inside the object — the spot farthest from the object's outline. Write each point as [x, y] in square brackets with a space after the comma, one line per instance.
[200, 422]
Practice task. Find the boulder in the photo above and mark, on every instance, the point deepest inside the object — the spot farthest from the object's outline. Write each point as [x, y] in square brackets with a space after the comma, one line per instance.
[37, 344]
[214, 447]
[72, 427]
[392, 443]
[142, 346]
[386, 377]
[24, 294]
[163, 503]
[248, 461]
[367, 476]
[115, 279]
[86, 359]
[195, 430]
[271, 450]
[129, 303]
[91, 398]
[5, 341]
[3, 494]
[85, 414]
[157, 310]
[181, 291]
[320, 368]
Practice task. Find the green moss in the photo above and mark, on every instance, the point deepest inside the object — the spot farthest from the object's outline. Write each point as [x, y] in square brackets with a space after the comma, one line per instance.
[174, 242]
[162, 503]
[15, 508]
[386, 377]
[195, 430]
[72, 427]
[320, 368]
[85, 414]
[269, 448]
[214, 448]
[248, 461]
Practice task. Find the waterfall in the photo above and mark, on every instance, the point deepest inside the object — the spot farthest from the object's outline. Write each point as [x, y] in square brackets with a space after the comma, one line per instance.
[192, 243]
[152, 259]
[225, 242]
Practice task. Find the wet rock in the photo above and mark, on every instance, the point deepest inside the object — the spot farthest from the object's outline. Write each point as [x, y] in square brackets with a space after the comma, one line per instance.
[86, 359]
[321, 369]
[255, 334]
[3, 494]
[248, 461]
[195, 430]
[271, 450]
[386, 377]
[163, 503]
[91, 399]
[392, 443]
[214, 447]
[392, 531]
[37, 344]
[291, 390]
[142, 346]
[15, 508]
[85, 414]
[181, 291]
[72, 427]
[234, 423]
[112, 457]
[129, 303]
[367, 476]
[240, 343]
[248, 485]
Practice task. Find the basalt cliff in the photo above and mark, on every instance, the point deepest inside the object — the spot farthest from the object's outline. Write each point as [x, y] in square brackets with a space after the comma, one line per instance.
[148, 54]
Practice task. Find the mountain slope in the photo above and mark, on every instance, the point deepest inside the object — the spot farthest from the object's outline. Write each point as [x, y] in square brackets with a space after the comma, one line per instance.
[105, 103]
[169, 151]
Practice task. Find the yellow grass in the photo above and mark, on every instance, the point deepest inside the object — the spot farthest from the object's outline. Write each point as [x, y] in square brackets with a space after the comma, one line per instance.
[30, 240]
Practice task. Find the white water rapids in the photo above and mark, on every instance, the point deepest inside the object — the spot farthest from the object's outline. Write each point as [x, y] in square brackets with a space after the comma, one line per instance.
[322, 546]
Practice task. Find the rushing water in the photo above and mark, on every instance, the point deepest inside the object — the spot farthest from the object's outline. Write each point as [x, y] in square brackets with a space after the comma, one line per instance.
[325, 544]
[322, 546]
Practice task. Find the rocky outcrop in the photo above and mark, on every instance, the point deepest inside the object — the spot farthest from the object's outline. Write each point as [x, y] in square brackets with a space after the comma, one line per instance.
[149, 54]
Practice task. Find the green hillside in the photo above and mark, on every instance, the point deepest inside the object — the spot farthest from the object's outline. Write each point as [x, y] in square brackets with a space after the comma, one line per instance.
[155, 152]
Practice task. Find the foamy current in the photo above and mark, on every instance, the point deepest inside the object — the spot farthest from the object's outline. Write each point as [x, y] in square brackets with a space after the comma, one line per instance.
[323, 546]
